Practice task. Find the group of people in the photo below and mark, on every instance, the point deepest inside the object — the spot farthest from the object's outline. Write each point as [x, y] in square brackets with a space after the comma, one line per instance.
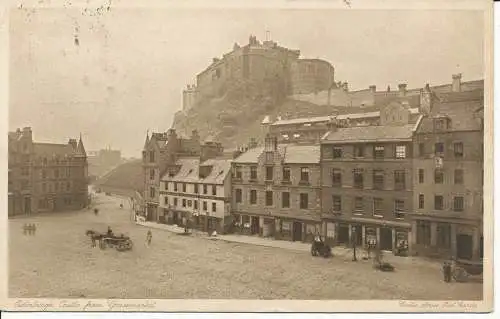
[29, 229]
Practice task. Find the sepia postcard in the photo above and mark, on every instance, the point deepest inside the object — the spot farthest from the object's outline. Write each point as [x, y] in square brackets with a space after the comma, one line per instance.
[247, 156]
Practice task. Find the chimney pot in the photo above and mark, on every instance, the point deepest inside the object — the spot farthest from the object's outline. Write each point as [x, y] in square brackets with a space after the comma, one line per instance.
[456, 82]
[373, 88]
[402, 89]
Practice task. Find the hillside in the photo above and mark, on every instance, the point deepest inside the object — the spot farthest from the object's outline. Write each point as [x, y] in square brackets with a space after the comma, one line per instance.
[126, 177]
[235, 117]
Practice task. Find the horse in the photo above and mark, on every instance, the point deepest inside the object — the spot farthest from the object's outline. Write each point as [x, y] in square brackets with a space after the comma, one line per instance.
[94, 236]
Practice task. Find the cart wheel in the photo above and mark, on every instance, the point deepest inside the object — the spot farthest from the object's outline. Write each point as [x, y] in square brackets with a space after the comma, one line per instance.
[460, 275]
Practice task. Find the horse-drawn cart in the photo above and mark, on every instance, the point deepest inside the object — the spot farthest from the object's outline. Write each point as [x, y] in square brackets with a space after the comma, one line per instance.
[463, 269]
[120, 243]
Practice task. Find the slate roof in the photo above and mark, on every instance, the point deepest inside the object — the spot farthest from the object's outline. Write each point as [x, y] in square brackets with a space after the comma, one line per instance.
[461, 115]
[50, 149]
[292, 154]
[190, 168]
[363, 134]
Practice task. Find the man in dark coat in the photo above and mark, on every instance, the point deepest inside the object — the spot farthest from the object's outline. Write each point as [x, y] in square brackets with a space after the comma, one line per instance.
[447, 271]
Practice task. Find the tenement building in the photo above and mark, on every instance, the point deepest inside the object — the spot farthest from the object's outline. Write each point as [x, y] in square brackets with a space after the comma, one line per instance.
[276, 191]
[45, 176]
[448, 173]
[196, 193]
[367, 179]
[160, 153]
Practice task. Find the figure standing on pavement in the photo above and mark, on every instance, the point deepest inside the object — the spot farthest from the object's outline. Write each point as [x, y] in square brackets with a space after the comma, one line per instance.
[34, 229]
[447, 271]
[149, 237]
[25, 229]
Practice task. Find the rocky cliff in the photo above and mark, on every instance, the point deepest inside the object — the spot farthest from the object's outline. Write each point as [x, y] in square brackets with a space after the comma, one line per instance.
[235, 116]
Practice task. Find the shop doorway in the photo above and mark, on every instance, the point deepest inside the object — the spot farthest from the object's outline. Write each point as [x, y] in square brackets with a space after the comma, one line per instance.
[27, 205]
[343, 234]
[254, 224]
[464, 246]
[297, 231]
[385, 238]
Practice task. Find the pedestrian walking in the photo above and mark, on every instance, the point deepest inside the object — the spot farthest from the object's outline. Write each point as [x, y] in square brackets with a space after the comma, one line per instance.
[34, 229]
[30, 229]
[149, 237]
[25, 229]
[447, 271]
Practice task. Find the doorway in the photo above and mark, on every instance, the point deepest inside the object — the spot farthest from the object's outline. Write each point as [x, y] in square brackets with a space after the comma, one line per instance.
[481, 248]
[343, 234]
[385, 238]
[27, 205]
[464, 246]
[254, 225]
[297, 231]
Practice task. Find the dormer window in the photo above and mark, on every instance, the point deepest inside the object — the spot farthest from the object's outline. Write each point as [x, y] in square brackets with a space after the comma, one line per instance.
[441, 123]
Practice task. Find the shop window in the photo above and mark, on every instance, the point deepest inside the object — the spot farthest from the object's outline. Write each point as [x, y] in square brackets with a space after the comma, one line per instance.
[423, 232]
[443, 235]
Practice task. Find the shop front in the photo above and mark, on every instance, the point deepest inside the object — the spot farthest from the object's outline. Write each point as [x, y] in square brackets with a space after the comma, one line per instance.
[449, 238]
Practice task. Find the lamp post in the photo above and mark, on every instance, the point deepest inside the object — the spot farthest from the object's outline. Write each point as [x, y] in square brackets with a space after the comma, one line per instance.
[353, 239]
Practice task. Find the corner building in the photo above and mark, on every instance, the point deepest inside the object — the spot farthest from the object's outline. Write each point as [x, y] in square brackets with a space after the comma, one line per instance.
[276, 191]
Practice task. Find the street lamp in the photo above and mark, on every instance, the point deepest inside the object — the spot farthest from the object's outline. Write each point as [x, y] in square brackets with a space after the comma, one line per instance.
[353, 239]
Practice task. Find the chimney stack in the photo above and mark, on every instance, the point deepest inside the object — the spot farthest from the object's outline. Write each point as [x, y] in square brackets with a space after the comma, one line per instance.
[373, 88]
[345, 86]
[402, 89]
[426, 100]
[456, 82]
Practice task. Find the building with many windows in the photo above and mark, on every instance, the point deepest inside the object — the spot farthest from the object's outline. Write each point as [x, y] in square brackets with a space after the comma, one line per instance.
[367, 179]
[448, 173]
[160, 151]
[276, 191]
[45, 176]
[198, 192]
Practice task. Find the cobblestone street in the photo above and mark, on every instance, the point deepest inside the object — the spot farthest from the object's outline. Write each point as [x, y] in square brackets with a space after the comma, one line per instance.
[59, 263]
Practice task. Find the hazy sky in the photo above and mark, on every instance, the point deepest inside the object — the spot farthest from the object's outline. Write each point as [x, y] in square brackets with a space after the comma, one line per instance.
[131, 65]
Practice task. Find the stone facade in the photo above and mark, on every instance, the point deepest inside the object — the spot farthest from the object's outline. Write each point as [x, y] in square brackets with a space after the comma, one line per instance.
[197, 194]
[266, 64]
[367, 185]
[44, 176]
[276, 191]
[448, 173]
[160, 152]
